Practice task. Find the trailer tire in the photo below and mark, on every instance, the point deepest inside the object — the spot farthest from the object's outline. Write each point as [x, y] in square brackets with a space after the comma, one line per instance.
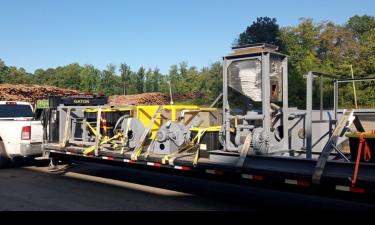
[4, 159]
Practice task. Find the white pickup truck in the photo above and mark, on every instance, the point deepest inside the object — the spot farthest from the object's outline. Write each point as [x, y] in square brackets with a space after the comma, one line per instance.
[20, 134]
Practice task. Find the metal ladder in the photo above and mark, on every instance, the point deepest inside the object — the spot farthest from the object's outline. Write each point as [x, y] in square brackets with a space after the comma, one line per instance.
[346, 120]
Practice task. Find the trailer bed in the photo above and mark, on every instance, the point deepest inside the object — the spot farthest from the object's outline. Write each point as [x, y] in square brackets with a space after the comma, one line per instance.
[285, 171]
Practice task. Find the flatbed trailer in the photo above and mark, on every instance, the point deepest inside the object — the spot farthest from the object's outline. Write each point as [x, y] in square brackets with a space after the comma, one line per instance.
[309, 157]
[257, 170]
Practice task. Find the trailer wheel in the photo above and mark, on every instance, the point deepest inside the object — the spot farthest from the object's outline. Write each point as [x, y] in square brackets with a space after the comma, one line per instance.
[4, 159]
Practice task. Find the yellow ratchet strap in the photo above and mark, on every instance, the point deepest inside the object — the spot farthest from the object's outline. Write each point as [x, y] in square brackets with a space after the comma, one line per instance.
[167, 157]
[198, 138]
[91, 128]
[124, 138]
[105, 141]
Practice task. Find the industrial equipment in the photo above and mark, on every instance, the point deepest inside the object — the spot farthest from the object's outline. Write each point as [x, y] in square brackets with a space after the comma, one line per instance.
[264, 141]
[170, 137]
[260, 74]
[132, 130]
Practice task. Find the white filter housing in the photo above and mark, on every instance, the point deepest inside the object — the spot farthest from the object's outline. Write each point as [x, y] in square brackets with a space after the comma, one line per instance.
[246, 78]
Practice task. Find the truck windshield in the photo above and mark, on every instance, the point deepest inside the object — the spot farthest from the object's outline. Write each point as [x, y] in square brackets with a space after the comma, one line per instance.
[9, 111]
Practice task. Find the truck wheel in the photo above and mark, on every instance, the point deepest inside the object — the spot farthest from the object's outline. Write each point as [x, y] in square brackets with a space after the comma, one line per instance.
[4, 159]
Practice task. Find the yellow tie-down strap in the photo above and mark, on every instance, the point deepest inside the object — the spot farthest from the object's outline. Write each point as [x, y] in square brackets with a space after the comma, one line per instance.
[196, 141]
[208, 129]
[105, 141]
[93, 130]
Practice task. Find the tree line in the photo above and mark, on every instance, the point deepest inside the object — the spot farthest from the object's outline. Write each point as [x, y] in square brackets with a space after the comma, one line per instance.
[120, 81]
[324, 47]
[318, 46]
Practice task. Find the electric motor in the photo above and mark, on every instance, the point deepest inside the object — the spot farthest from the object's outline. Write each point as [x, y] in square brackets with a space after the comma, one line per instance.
[170, 137]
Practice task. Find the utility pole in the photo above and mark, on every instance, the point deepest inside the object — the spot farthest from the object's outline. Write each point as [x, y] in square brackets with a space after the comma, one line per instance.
[170, 92]
[355, 92]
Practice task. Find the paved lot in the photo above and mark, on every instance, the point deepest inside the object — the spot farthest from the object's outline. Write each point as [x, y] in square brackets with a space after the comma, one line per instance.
[101, 187]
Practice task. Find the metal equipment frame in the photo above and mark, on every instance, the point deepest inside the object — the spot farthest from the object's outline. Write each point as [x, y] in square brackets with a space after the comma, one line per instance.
[264, 57]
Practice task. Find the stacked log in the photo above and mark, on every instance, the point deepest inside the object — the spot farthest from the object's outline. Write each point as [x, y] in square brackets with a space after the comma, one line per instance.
[140, 99]
[33, 93]
[155, 98]
[30, 93]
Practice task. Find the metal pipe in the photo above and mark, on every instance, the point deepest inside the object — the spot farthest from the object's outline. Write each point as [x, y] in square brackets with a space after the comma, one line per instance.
[355, 79]
[249, 117]
[336, 97]
[320, 139]
[266, 92]
[340, 153]
[354, 90]
[216, 100]
[324, 74]
[226, 109]
[275, 107]
[321, 98]
[300, 119]
[170, 92]
[309, 82]
[296, 115]
[285, 107]
[239, 127]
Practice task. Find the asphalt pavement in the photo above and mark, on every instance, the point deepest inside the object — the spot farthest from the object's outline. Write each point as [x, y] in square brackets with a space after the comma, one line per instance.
[88, 186]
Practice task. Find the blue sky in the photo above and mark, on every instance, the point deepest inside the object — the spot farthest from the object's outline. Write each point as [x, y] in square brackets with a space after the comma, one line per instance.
[49, 33]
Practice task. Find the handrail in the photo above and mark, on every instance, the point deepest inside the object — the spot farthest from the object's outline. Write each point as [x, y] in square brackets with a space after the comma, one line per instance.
[348, 80]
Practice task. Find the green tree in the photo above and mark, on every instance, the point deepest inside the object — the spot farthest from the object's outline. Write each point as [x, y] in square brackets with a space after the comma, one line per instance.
[337, 48]
[125, 76]
[157, 80]
[40, 76]
[264, 29]
[359, 25]
[90, 79]
[182, 73]
[163, 84]
[140, 79]
[174, 78]
[108, 80]
[3, 71]
[149, 81]
[14, 75]
[68, 76]
[367, 52]
[211, 79]
[193, 79]
[300, 43]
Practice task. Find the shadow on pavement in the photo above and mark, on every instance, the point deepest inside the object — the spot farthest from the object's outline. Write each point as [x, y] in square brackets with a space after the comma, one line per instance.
[236, 197]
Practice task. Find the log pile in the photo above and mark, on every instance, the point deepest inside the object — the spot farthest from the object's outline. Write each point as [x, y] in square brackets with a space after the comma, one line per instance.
[140, 99]
[30, 93]
[155, 98]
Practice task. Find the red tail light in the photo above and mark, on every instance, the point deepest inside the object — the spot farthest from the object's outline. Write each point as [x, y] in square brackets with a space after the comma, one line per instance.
[26, 133]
